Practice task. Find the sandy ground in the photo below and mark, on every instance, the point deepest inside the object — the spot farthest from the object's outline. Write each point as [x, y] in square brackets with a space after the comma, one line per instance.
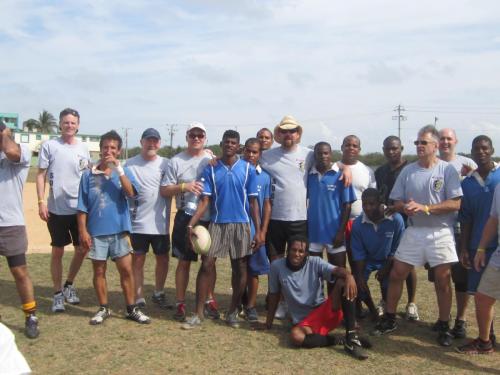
[38, 234]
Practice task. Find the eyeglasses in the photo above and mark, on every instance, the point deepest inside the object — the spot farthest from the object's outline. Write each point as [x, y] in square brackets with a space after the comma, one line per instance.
[423, 143]
[196, 135]
[289, 131]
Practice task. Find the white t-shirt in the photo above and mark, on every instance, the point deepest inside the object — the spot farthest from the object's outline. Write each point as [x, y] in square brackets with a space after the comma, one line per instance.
[459, 161]
[149, 211]
[65, 164]
[362, 179]
[186, 168]
[288, 171]
[12, 178]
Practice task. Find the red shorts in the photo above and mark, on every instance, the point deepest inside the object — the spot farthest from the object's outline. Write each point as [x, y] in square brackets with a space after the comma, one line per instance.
[322, 319]
[348, 230]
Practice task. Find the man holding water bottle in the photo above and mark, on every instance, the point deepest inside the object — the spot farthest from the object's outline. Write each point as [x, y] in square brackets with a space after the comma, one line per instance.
[183, 180]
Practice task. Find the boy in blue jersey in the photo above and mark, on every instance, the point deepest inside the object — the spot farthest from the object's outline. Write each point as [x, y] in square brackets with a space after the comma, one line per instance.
[104, 224]
[329, 206]
[374, 240]
[258, 263]
[227, 187]
[478, 191]
[299, 278]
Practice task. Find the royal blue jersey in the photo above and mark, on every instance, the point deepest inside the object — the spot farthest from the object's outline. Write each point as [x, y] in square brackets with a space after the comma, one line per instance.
[263, 181]
[229, 188]
[476, 205]
[326, 195]
[102, 198]
[376, 242]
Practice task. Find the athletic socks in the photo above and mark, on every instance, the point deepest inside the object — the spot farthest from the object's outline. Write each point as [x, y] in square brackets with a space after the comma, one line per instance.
[130, 308]
[68, 283]
[29, 308]
[315, 340]
[349, 311]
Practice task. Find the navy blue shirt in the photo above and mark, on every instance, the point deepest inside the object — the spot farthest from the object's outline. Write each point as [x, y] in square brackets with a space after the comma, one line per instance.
[376, 242]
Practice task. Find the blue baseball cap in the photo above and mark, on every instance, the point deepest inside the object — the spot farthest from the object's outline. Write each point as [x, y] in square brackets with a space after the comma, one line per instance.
[150, 133]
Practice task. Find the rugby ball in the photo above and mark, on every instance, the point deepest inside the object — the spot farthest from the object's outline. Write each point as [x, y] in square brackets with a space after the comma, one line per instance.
[201, 240]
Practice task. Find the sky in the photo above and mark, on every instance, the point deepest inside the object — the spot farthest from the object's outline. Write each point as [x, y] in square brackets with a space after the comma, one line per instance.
[338, 67]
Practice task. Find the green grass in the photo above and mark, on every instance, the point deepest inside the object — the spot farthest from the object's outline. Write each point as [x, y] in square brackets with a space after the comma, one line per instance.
[68, 344]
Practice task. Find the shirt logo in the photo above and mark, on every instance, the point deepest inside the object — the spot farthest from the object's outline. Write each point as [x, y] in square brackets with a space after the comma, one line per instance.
[301, 164]
[437, 184]
[83, 163]
[389, 234]
[331, 187]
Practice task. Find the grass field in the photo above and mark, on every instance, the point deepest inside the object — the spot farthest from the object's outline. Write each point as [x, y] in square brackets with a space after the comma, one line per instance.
[69, 345]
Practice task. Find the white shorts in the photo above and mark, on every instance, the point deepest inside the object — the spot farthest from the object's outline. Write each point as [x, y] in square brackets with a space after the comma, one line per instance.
[420, 245]
[316, 247]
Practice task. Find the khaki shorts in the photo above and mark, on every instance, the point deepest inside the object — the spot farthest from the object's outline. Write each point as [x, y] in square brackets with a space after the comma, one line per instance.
[420, 245]
[13, 240]
[490, 282]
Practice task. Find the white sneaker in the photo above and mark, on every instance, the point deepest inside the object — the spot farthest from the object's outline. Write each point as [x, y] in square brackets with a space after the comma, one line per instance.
[193, 322]
[281, 311]
[99, 317]
[58, 303]
[381, 307]
[70, 295]
[412, 312]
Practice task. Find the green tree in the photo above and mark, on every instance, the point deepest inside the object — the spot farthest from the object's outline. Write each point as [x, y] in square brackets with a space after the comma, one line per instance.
[46, 123]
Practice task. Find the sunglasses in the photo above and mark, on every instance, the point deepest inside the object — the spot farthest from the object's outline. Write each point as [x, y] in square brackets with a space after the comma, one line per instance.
[196, 135]
[289, 131]
[423, 143]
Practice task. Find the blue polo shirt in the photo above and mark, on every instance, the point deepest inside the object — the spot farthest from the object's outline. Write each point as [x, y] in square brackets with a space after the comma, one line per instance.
[229, 189]
[476, 205]
[103, 200]
[263, 181]
[376, 242]
[326, 194]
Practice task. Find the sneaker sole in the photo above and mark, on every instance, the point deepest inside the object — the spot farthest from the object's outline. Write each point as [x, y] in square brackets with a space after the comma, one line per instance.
[378, 333]
[360, 356]
[58, 310]
[139, 322]
[477, 352]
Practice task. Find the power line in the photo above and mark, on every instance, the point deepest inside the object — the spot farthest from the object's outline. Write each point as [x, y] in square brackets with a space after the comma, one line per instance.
[172, 129]
[399, 117]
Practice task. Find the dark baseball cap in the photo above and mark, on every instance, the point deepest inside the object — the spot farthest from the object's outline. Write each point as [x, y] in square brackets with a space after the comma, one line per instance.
[151, 133]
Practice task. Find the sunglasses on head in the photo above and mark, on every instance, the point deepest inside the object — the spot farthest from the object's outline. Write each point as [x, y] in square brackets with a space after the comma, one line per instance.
[423, 143]
[289, 131]
[196, 135]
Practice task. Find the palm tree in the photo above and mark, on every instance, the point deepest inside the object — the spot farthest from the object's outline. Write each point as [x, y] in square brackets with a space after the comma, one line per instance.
[46, 123]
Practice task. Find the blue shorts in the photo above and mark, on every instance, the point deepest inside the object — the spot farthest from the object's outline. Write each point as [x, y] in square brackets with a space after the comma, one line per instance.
[371, 266]
[110, 246]
[474, 277]
[258, 264]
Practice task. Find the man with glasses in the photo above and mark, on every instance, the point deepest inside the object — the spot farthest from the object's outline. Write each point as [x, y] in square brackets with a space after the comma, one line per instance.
[183, 180]
[428, 191]
[63, 161]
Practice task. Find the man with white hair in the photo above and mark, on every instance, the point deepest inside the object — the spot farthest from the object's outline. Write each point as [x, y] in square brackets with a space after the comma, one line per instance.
[428, 191]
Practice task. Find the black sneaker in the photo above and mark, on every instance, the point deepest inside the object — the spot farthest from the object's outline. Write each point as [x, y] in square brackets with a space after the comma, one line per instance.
[493, 340]
[459, 331]
[384, 326]
[445, 337]
[161, 300]
[31, 330]
[138, 316]
[354, 348]
[476, 346]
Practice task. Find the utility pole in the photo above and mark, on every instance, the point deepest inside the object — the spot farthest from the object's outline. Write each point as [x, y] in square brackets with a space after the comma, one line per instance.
[435, 120]
[126, 141]
[399, 117]
[172, 129]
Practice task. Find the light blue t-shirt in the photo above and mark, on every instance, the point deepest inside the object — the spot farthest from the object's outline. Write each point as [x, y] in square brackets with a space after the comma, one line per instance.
[495, 212]
[302, 289]
[105, 203]
[12, 178]
[428, 186]
[476, 205]
[229, 189]
[326, 195]
[374, 243]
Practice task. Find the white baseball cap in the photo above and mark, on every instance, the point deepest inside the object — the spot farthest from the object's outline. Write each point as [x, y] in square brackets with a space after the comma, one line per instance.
[196, 125]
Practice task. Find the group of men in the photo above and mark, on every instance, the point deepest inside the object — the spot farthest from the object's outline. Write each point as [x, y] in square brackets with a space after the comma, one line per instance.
[272, 211]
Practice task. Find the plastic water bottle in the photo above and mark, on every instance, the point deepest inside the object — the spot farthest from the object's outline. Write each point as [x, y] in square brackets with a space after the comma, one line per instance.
[191, 204]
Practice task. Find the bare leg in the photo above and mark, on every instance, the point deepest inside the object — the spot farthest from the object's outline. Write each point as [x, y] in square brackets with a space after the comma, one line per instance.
[56, 269]
[411, 285]
[76, 263]
[124, 266]
[253, 287]
[138, 261]
[100, 285]
[238, 281]
[182, 279]
[23, 283]
[161, 271]
[442, 276]
[484, 314]
[203, 283]
[398, 275]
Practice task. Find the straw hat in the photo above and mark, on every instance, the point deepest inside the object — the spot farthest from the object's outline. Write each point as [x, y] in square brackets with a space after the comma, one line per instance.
[287, 123]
